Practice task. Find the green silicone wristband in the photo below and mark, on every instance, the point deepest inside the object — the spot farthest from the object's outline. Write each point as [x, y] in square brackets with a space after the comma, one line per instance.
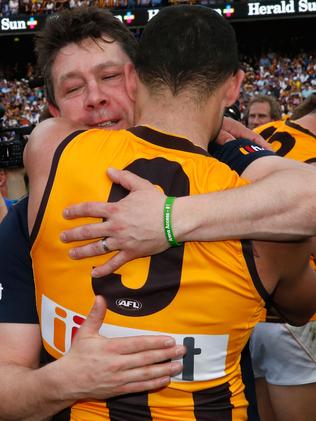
[167, 222]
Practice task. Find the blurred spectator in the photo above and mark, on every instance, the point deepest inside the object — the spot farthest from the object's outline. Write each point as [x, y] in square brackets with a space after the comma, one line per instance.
[25, 6]
[5, 10]
[14, 7]
[305, 108]
[307, 90]
[262, 109]
[50, 6]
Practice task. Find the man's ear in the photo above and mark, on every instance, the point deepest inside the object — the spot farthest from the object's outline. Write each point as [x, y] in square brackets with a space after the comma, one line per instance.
[130, 81]
[233, 91]
[54, 111]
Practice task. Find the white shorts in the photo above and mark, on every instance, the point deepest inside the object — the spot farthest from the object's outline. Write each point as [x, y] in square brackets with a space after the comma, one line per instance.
[285, 355]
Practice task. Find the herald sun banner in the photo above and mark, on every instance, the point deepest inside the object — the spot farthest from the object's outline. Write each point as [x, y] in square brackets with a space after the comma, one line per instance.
[137, 18]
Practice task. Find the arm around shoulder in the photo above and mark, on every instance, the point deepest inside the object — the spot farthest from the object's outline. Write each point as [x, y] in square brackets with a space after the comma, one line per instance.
[38, 156]
[278, 207]
[44, 140]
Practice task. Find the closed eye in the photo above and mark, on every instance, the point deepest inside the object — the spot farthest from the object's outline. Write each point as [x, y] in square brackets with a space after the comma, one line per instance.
[72, 89]
[111, 76]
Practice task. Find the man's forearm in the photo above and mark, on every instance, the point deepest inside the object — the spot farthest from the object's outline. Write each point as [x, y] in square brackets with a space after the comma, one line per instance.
[95, 367]
[250, 212]
[30, 395]
[280, 206]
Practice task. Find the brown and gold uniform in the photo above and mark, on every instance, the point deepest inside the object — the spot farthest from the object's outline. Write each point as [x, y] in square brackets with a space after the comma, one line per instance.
[207, 295]
[292, 141]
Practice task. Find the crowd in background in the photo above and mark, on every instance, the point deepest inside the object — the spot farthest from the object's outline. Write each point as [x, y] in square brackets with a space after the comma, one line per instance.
[289, 80]
[12, 7]
[21, 103]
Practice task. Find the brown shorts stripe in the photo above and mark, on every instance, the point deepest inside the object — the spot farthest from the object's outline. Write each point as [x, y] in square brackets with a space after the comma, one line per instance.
[213, 404]
[133, 407]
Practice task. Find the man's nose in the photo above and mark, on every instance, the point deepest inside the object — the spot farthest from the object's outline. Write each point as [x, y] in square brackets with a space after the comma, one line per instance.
[96, 97]
[257, 121]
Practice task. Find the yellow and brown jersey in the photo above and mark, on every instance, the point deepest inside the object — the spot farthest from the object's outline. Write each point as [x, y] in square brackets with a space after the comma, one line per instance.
[206, 295]
[290, 140]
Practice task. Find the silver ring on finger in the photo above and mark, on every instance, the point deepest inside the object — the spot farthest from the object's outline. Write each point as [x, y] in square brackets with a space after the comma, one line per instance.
[105, 248]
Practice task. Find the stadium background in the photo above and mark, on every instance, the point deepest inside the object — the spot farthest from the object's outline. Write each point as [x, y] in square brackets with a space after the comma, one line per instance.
[279, 32]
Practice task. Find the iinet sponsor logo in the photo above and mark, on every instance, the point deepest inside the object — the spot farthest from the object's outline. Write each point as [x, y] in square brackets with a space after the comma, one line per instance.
[283, 7]
[205, 358]
[59, 325]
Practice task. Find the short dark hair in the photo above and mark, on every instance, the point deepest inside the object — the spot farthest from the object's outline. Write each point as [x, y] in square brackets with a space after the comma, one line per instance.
[74, 26]
[308, 106]
[187, 46]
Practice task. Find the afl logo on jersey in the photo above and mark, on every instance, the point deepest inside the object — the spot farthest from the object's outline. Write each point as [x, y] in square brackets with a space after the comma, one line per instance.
[128, 304]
